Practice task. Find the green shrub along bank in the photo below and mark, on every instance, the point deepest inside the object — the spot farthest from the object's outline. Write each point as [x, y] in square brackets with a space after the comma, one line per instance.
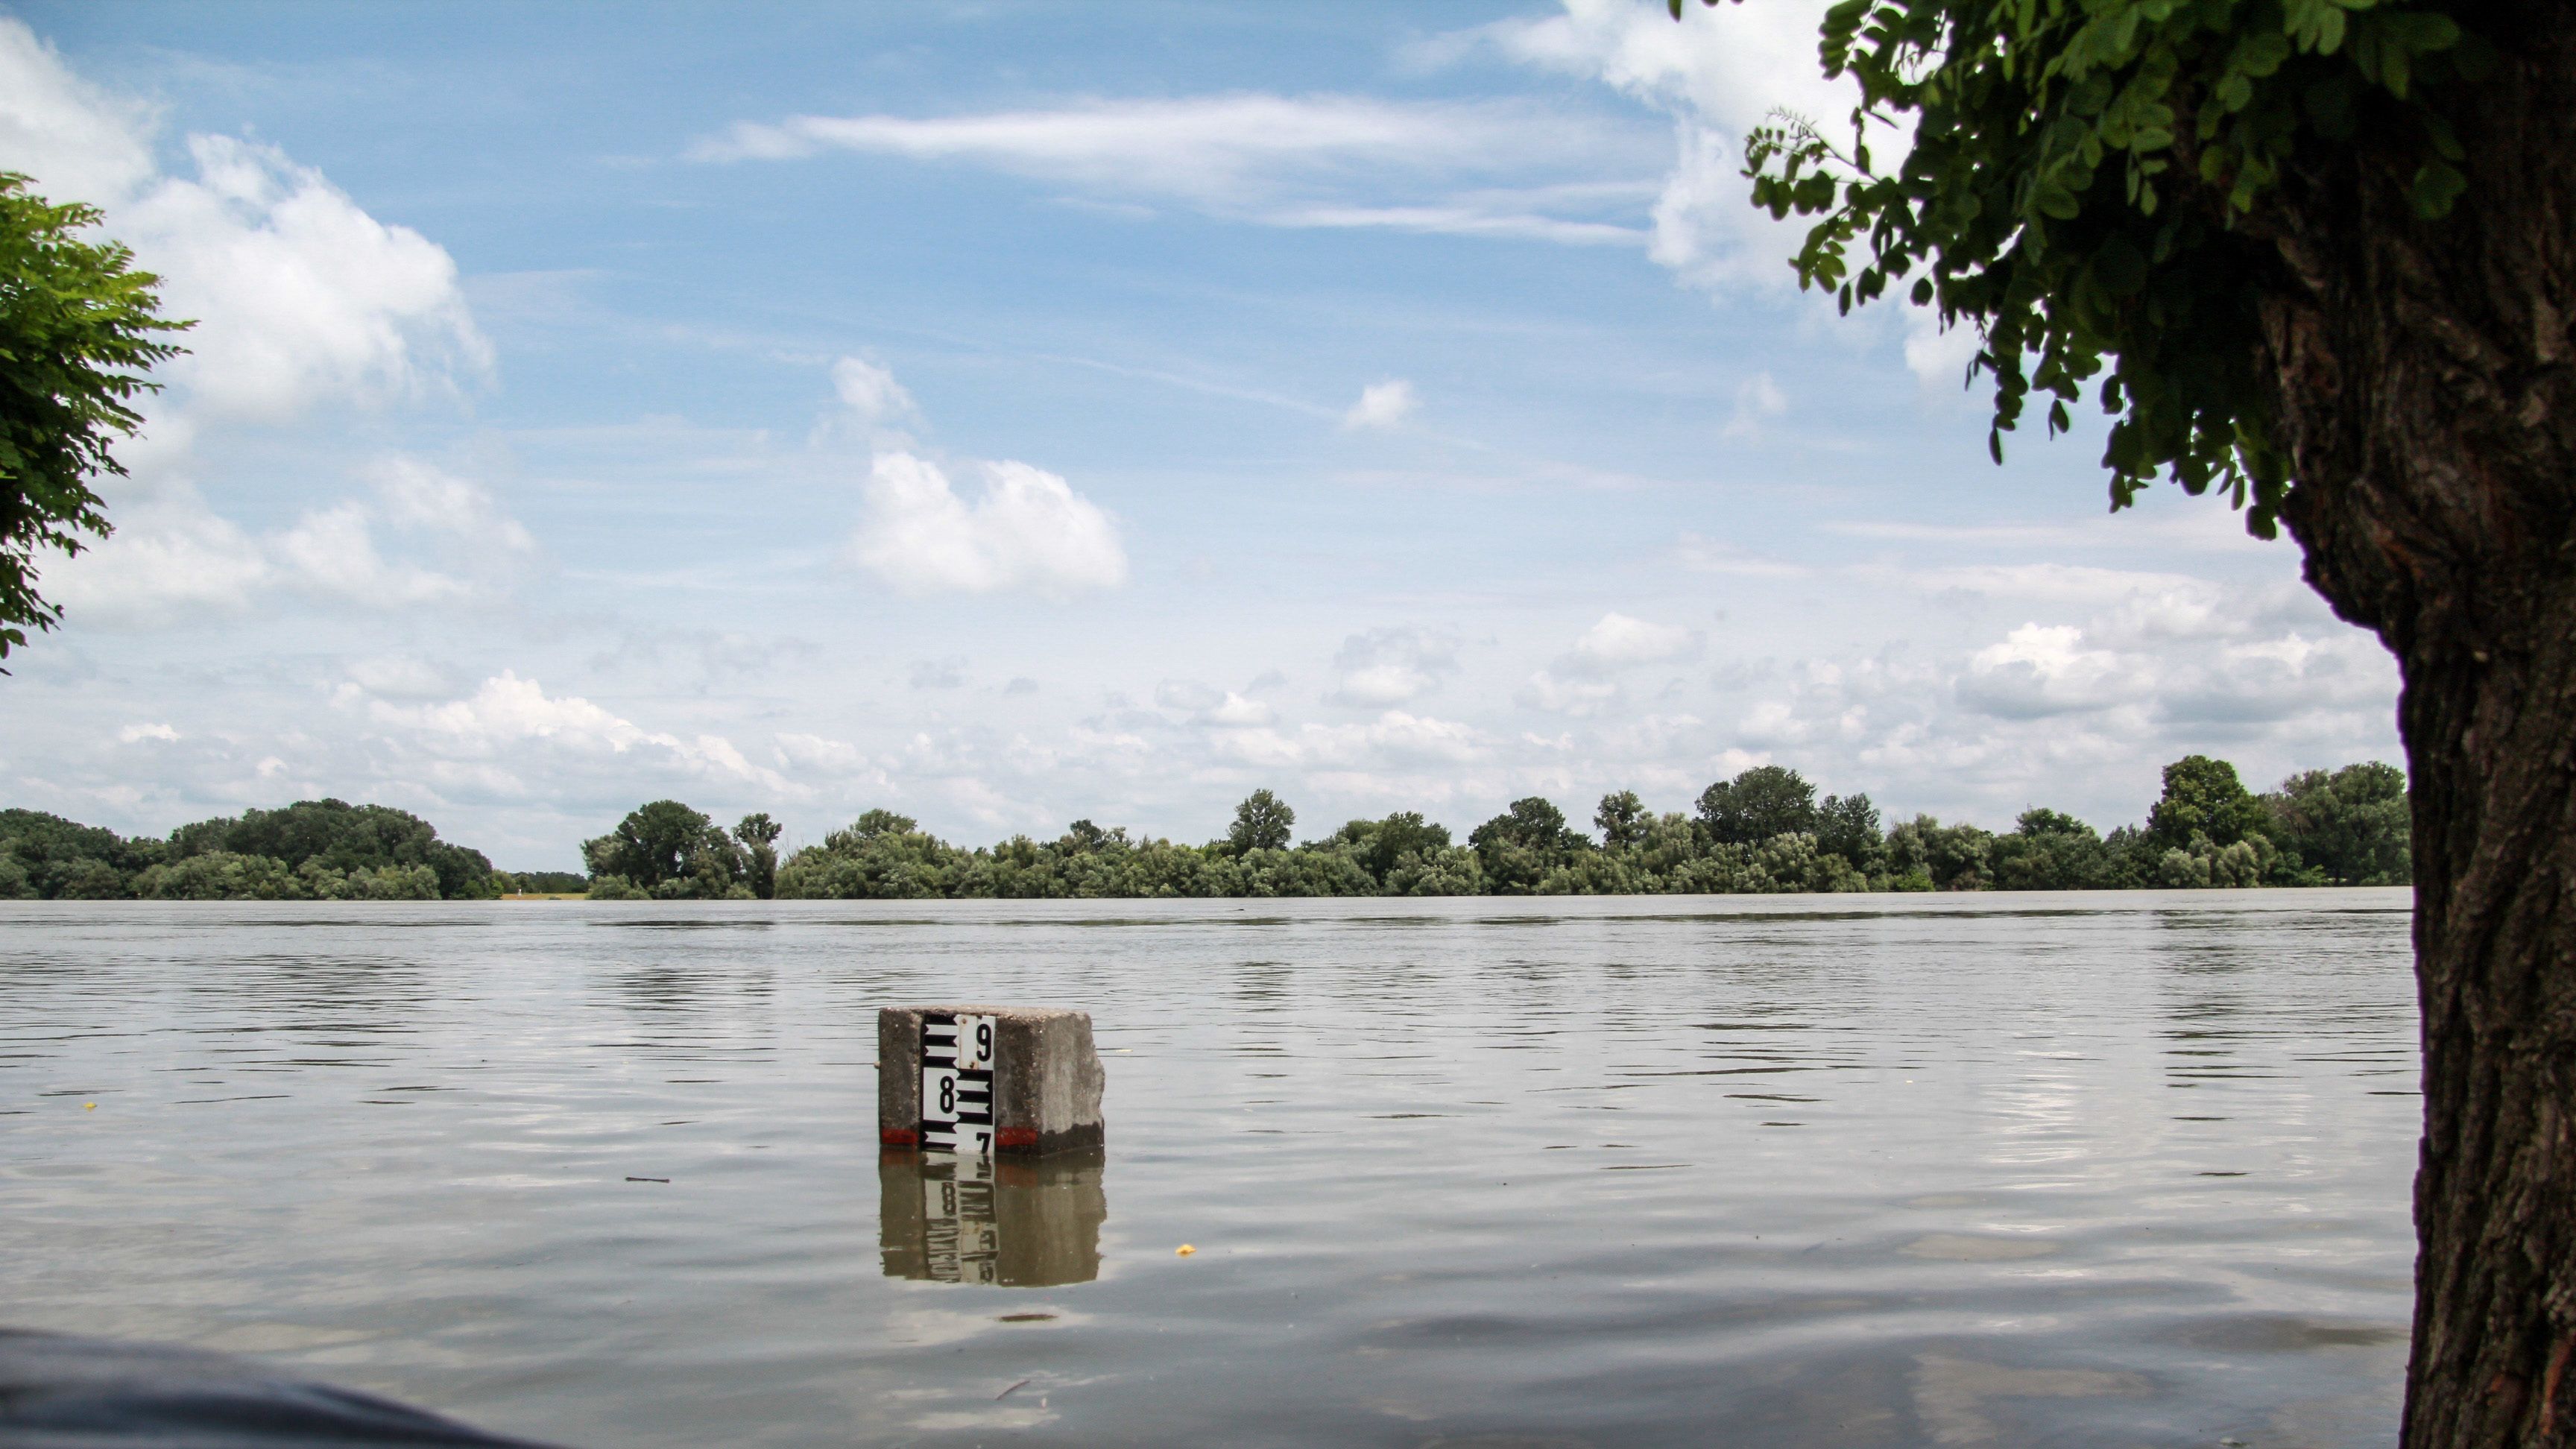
[1763, 831]
[312, 850]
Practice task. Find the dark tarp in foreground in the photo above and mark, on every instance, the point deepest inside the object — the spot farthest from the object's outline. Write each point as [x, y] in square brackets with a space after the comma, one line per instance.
[62, 1392]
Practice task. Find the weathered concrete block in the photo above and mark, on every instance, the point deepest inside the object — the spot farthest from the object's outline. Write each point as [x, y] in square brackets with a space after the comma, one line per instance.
[1017, 1080]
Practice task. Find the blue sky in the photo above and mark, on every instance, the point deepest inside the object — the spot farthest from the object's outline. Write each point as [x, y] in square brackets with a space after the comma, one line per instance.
[1008, 413]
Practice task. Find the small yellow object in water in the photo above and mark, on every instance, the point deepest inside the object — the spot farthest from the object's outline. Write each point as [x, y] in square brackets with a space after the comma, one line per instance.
[1183, 1251]
[89, 1106]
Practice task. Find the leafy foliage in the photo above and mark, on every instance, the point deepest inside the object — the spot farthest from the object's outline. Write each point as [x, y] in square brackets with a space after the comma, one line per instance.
[1622, 819]
[311, 850]
[2344, 828]
[1760, 803]
[544, 882]
[667, 851]
[2348, 828]
[2203, 796]
[2086, 186]
[334, 835]
[758, 835]
[1261, 822]
[79, 327]
[1529, 849]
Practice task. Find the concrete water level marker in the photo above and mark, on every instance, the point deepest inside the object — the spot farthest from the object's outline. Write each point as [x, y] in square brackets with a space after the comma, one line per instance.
[978, 1081]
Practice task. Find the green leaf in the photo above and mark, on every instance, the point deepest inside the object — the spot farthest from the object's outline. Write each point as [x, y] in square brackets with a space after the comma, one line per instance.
[2437, 186]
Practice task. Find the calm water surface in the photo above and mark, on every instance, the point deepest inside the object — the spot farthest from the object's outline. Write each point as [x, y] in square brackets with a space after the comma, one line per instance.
[2083, 1170]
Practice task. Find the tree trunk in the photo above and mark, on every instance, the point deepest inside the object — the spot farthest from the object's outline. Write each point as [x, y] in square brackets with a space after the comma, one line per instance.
[2423, 377]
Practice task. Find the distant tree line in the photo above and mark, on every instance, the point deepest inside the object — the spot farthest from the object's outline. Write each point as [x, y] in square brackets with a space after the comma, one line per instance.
[312, 850]
[1763, 831]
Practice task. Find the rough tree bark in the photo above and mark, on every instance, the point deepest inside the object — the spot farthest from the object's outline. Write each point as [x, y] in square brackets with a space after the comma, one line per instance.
[2423, 378]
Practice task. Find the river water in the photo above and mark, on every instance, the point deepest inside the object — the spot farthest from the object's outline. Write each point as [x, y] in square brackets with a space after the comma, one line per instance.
[2066, 1169]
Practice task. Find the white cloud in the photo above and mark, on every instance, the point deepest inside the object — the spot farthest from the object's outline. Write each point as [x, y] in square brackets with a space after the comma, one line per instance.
[1393, 739]
[1296, 161]
[137, 733]
[1583, 683]
[1757, 399]
[333, 551]
[1939, 357]
[1718, 73]
[1714, 556]
[1706, 229]
[1491, 213]
[415, 494]
[1392, 666]
[2041, 670]
[815, 752]
[1204, 147]
[171, 560]
[1187, 695]
[1236, 712]
[1580, 698]
[174, 560]
[79, 142]
[1618, 641]
[869, 391]
[1382, 405]
[400, 676]
[300, 296]
[505, 715]
[1028, 530]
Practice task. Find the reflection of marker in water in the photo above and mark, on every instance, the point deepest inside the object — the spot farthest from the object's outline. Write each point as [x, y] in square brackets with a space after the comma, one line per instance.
[958, 1054]
[962, 1239]
[1003, 1220]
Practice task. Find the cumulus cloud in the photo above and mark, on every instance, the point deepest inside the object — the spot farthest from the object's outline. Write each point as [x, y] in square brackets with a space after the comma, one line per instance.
[1718, 74]
[2039, 670]
[1394, 739]
[415, 494]
[333, 552]
[301, 299]
[1618, 641]
[137, 733]
[1581, 698]
[400, 676]
[508, 714]
[869, 391]
[1391, 666]
[820, 754]
[1757, 400]
[1583, 681]
[300, 296]
[171, 560]
[1236, 712]
[174, 559]
[1027, 529]
[1382, 405]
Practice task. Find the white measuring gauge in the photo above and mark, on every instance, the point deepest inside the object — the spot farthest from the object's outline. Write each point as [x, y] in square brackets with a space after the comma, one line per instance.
[957, 1058]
